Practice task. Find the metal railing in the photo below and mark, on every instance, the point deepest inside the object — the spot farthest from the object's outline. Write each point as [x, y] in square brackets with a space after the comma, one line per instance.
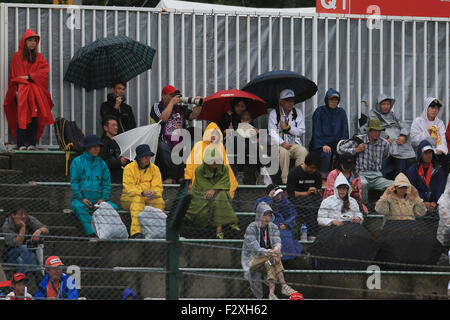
[204, 51]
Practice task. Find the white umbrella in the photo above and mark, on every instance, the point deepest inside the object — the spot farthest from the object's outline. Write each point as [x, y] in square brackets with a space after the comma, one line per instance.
[129, 140]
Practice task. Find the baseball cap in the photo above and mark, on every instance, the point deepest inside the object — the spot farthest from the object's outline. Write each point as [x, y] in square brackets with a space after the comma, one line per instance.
[435, 103]
[287, 94]
[169, 89]
[296, 296]
[275, 187]
[347, 160]
[53, 261]
[334, 95]
[19, 277]
[427, 147]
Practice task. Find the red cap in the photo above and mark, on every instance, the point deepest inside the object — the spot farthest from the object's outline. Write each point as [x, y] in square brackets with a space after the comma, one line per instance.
[53, 261]
[19, 277]
[169, 89]
[296, 296]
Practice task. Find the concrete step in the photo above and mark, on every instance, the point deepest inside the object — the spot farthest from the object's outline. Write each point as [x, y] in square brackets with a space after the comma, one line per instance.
[105, 292]
[8, 204]
[5, 161]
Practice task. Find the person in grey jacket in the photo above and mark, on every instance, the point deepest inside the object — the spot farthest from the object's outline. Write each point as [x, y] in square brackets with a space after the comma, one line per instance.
[19, 229]
[261, 253]
[401, 152]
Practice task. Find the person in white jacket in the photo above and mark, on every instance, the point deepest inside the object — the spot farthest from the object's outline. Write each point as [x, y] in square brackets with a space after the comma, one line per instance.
[286, 127]
[429, 127]
[339, 207]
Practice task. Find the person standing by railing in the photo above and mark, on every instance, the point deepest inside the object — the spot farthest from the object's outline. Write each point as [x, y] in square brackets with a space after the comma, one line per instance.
[28, 104]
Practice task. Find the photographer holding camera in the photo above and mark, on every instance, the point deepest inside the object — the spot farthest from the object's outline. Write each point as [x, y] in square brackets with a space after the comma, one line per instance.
[22, 232]
[115, 106]
[173, 116]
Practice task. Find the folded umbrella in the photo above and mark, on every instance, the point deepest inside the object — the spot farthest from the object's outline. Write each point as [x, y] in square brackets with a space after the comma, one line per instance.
[407, 242]
[101, 63]
[349, 241]
[216, 105]
[268, 86]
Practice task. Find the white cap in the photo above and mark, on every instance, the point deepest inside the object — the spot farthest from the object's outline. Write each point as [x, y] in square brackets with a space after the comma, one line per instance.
[277, 192]
[428, 147]
[286, 94]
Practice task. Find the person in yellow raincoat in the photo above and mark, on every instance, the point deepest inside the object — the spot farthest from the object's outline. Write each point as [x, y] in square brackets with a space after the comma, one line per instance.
[211, 137]
[142, 186]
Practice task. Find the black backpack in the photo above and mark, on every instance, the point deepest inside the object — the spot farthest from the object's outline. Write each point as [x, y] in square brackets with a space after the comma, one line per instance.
[69, 136]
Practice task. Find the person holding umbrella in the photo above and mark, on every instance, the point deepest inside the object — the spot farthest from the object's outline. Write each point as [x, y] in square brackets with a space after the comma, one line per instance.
[28, 104]
[115, 106]
[286, 126]
[232, 117]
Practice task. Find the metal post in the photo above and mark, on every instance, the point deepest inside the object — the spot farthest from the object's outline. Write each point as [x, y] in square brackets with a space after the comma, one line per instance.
[181, 204]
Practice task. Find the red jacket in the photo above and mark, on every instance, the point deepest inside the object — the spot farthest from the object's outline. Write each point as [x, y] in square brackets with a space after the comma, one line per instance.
[33, 98]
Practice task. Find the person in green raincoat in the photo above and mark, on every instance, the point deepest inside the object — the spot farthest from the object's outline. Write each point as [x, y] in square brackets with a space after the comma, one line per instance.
[90, 181]
[211, 205]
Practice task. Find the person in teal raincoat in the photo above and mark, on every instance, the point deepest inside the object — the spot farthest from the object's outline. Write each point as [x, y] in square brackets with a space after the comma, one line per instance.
[90, 181]
[211, 205]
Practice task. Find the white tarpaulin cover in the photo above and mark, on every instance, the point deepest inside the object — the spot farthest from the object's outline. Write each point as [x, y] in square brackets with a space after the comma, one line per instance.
[172, 5]
[129, 140]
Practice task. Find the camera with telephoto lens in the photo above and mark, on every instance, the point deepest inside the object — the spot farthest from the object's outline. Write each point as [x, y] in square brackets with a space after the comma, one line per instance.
[33, 244]
[190, 100]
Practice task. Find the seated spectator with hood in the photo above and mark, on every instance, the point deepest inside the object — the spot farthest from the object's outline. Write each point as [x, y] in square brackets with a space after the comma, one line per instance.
[211, 137]
[427, 176]
[285, 219]
[211, 203]
[90, 182]
[115, 106]
[345, 164]
[400, 201]
[429, 127]
[340, 207]
[261, 254]
[142, 186]
[396, 132]
[330, 125]
[129, 294]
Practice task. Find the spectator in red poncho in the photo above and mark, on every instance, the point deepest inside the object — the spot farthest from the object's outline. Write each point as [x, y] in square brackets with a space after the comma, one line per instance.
[28, 103]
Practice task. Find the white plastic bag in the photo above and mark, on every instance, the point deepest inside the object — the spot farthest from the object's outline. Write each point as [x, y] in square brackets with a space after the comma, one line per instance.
[443, 231]
[107, 224]
[153, 223]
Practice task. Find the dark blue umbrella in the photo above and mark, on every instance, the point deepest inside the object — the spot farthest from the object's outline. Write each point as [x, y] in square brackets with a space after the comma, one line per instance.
[268, 86]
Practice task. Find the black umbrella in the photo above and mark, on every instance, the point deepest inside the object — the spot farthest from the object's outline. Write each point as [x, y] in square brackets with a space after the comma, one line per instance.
[408, 242]
[106, 60]
[349, 241]
[268, 86]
